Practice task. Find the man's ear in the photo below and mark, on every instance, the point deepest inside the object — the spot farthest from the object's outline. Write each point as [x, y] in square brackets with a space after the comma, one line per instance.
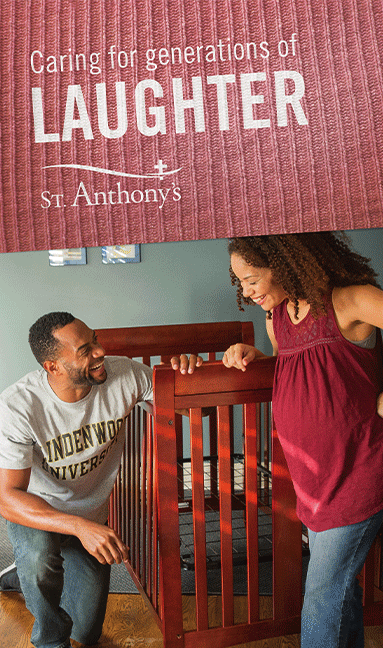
[52, 367]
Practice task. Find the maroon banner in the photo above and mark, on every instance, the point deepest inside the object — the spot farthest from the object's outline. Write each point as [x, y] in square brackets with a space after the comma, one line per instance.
[138, 121]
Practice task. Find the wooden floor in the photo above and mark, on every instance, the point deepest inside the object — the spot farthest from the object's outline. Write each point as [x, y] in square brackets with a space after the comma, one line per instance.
[128, 624]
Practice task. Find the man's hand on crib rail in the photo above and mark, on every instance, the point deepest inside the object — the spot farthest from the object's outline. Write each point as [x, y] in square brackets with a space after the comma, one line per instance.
[186, 364]
[239, 356]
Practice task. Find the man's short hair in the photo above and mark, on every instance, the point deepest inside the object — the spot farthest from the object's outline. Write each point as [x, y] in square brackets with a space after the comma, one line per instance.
[43, 343]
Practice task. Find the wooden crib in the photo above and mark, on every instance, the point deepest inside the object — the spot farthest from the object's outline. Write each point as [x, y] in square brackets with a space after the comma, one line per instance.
[151, 344]
[164, 478]
[214, 385]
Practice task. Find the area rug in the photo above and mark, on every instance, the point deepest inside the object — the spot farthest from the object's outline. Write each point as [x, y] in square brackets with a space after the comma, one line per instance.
[122, 583]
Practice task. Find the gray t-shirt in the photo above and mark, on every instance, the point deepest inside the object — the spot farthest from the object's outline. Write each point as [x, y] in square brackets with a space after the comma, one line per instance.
[73, 449]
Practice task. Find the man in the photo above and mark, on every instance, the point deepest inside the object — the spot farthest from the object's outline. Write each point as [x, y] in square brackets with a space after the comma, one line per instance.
[61, 439]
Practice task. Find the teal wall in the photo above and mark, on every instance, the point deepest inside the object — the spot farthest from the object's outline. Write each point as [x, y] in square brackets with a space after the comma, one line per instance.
[181, 282]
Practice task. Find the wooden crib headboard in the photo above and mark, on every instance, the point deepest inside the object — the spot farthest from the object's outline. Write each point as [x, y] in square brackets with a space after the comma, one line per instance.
[172, 339]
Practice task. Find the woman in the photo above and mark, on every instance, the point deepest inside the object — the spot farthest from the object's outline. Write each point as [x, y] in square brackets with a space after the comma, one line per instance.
[324, 310]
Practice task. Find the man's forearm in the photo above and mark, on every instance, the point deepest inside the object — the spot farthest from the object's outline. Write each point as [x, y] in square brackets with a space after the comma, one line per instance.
[100, 541]
[32, 511]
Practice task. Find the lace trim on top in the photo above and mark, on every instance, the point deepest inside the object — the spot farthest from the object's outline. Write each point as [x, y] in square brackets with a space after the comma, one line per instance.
[293, 338]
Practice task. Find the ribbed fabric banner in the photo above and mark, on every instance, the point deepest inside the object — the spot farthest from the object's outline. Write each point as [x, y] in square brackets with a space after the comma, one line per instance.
[139, 121]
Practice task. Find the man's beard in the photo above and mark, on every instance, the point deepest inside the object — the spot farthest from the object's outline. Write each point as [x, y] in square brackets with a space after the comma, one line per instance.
[79, 378]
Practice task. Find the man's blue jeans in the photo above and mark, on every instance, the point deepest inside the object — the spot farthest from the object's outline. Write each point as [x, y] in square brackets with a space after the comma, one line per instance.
[332, 615]
[64, 587]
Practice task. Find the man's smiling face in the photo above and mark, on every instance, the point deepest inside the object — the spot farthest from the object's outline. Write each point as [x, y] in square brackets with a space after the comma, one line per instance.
[80, 355]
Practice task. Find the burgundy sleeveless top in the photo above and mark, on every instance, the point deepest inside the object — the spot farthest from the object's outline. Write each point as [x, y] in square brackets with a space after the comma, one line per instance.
[324, 406]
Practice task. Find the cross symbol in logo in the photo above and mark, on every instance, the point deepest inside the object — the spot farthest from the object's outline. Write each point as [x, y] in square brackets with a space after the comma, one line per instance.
[161, 168]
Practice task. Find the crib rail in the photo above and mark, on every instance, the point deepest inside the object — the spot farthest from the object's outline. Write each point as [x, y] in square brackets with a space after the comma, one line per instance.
[147, 342]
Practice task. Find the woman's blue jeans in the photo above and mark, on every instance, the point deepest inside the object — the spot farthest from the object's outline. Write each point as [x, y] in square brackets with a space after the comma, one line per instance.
[332, 615]
[64, 587]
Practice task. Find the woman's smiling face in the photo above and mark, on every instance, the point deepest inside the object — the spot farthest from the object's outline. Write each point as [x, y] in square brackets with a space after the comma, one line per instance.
[257, 283]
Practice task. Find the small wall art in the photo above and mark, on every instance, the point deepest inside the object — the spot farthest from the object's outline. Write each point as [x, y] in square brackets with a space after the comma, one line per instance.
[69, 256]
[121, 254]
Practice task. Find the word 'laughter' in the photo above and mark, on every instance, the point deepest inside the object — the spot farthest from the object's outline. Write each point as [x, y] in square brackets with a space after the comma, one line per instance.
[284, 88]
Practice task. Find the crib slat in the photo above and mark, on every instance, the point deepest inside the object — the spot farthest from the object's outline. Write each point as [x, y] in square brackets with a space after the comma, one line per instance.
[122, 480]
[137, 494]
[153, 519]
[155, 557]
[199, 527]
[225, 513]
[146, 360]
[287, 539]
[180, 454]
[144, 495]
[128, 452]
[118, 522]
[213, 465]
[133, 550]
[252, 432]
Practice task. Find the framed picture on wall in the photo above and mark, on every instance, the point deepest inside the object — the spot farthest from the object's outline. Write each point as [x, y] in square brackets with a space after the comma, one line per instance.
[121, 254]
[69, 256]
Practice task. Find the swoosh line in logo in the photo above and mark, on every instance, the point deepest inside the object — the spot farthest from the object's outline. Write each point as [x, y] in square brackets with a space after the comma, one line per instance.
[110, 172]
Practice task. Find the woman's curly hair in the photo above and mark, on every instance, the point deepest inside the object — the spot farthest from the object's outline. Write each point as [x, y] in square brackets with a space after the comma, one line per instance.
[307, 266]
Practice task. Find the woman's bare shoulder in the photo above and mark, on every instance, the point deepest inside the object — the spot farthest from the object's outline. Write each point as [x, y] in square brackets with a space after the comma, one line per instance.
[358, 303]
